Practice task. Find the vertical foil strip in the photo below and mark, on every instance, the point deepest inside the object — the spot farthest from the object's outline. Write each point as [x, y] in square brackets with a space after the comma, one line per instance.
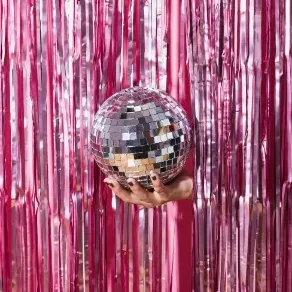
[229, 63]
[240, 53]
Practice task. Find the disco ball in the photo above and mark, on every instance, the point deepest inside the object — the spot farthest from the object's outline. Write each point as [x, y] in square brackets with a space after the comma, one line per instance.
[138, 130]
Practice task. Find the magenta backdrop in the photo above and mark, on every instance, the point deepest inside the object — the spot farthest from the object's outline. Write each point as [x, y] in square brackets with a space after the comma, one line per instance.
[228, 62]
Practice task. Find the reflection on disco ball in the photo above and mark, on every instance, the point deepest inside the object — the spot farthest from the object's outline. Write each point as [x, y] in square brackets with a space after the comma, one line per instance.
[138, 130]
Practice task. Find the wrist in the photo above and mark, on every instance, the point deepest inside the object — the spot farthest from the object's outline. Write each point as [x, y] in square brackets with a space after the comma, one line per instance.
[181, 190]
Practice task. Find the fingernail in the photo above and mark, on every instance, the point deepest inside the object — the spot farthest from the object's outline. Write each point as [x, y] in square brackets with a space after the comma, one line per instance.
[154, 177]
[110, 185]
[130, 184]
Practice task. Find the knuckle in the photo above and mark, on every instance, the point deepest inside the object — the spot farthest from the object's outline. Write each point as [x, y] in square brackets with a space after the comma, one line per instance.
[146, 205]
[126, 199]
[135, 188]
[133, 185]
[159, 188]
[161, 201]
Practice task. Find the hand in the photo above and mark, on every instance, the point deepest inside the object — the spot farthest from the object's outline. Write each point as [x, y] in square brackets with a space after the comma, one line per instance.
[179, 189]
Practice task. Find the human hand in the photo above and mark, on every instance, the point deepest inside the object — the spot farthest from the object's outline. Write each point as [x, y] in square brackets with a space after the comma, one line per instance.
[180, 188]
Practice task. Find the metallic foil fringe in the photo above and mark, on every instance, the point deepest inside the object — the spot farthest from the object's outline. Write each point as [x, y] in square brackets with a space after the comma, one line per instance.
[229, 63]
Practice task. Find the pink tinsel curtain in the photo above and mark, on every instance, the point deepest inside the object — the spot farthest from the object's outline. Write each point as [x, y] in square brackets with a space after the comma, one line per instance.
[228, 62]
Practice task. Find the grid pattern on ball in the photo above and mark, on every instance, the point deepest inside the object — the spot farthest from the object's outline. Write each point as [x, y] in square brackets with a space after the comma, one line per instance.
[138, 130]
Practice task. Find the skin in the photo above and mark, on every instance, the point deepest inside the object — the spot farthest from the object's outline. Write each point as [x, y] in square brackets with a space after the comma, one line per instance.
[179, 189]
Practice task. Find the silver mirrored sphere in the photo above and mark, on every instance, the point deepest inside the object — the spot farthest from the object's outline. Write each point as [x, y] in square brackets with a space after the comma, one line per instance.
[138, 130]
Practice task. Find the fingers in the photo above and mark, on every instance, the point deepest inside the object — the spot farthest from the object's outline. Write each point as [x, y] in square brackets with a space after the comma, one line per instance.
[122, 193]
[149, 199]
[137, 189]
[161, 192]
[157, 183]
[138, 195]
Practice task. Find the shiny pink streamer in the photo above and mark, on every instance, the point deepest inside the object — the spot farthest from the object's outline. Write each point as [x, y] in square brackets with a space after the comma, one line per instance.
[240, 69]
[228, 63]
